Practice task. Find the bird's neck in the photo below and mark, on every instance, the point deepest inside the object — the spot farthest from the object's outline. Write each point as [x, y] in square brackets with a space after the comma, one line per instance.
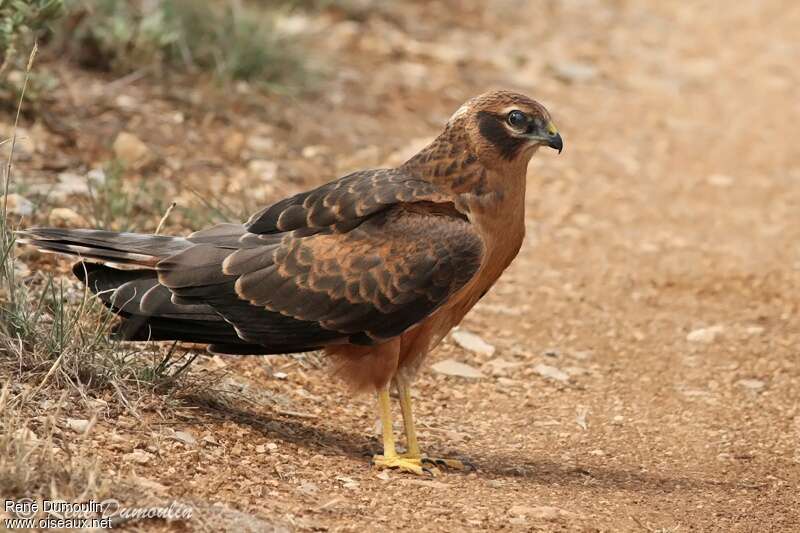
[449, 163]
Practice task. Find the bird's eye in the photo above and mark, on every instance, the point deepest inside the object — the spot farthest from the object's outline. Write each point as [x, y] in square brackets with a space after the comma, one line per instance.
[518, 119]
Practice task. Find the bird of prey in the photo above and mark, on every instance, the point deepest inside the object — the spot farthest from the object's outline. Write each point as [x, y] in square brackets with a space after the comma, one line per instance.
[374, 268]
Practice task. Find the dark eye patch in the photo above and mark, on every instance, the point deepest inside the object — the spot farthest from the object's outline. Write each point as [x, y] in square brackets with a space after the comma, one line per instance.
[493, 129]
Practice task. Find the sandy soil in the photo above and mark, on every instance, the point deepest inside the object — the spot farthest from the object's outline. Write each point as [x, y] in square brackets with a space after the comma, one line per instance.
[660, 274]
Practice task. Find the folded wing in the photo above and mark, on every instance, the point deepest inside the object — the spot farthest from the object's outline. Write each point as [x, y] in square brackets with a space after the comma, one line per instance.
[368, 284]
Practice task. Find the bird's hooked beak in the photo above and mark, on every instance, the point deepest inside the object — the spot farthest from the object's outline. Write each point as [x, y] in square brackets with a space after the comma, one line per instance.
[552, 138]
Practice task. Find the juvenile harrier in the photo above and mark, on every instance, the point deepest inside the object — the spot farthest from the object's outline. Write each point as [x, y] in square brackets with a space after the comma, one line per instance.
[375, 267]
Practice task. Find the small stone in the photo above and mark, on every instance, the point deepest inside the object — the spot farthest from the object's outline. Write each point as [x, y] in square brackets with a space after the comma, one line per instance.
[127, 101]
[69, 184]
[260, 145]
[451, 367]
[260, 448]
[618, 420]
[139, 456]
[21, 270]
[233, 145]
[129, 149]
[185, 437]
[574, 72]
[97, 175]
[78, 425]
[271, 446]
[551, 372]
[309, 487]
[262, 169]
[752, 384]
[472, 342]
[17, 205]
[705, 335]
[314, 150]
[720, 180]
[280, 375]
[64, 217]
[754, 330]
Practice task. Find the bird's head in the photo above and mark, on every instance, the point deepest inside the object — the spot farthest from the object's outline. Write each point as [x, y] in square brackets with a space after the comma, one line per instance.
[505, 127]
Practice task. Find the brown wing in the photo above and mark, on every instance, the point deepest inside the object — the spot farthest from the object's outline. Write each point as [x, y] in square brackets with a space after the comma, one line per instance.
[371, 283]
[343, 202]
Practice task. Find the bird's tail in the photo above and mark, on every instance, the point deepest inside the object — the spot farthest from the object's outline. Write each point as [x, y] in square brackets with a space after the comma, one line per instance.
[112, 248]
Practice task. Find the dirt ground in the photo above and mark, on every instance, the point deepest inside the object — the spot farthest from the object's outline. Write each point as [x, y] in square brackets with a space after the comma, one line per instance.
[660, 275]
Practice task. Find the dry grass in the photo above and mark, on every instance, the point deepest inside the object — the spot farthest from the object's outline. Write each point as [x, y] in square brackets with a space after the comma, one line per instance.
[55, 343]
[33, 461]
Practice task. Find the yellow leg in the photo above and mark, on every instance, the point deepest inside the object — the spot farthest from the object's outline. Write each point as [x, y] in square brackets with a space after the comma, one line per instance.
[390, 459]
[404, 391]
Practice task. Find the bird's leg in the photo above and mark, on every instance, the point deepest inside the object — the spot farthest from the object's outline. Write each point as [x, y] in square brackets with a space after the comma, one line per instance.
[390, 458]
[404, 391]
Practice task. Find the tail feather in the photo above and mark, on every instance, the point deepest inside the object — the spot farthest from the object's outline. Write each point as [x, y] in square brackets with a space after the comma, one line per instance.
[147, 310]
[130, 249]
[120, 268]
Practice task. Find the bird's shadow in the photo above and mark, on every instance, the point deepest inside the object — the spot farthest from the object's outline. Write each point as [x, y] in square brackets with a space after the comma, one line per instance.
[326, 440]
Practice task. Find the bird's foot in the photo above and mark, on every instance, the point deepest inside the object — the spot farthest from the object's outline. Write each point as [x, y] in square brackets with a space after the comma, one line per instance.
[413, 465]
[450, 464]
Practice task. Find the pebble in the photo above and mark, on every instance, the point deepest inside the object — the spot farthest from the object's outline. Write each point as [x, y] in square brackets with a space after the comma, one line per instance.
[185, 437]
[472, 342]
[262, 169]
[17, 205]
[138, 456]
[720, 180]
[551, 372]
[78, 425]
[259, 145]
[233, 145]
[129, 149]
[752, 384]
[309, 487]
[754, 330]
[574, 72]
[65, 217]
[451, 367]
[705, 335]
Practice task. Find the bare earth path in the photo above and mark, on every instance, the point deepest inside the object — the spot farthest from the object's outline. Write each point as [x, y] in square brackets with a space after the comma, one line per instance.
[674, 208]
